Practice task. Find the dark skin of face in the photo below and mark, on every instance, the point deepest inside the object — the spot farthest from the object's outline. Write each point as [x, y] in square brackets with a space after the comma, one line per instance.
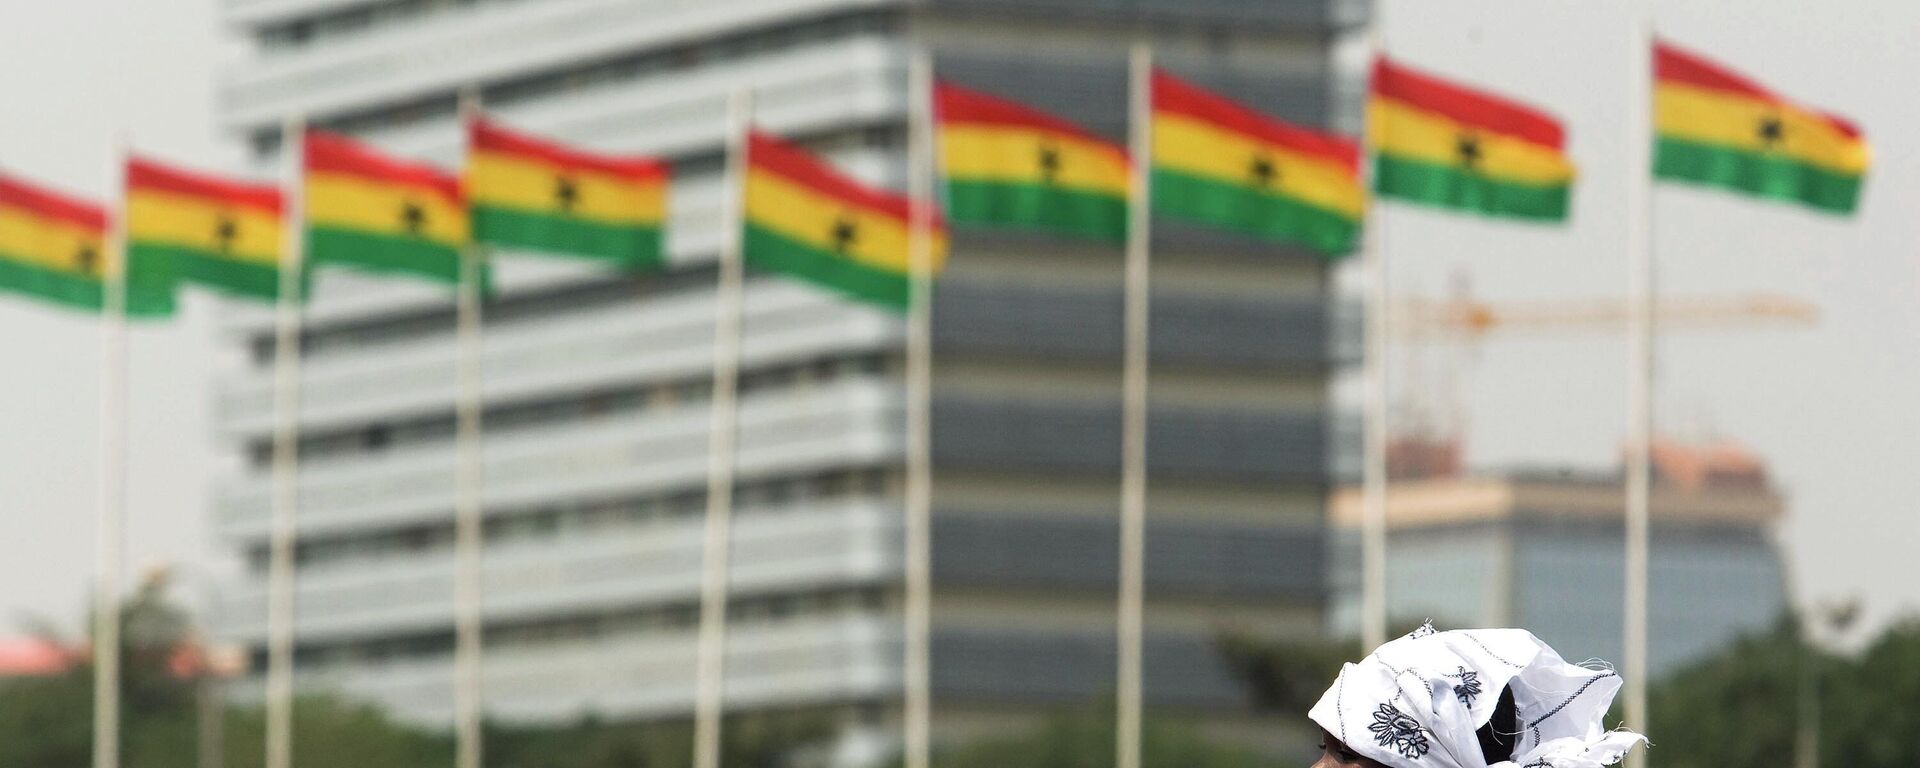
[1334, 754]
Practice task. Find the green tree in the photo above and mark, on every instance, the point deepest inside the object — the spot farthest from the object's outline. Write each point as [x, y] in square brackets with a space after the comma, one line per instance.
[1085, 739]
[48, 721]
[761, 740]
[1741, 708]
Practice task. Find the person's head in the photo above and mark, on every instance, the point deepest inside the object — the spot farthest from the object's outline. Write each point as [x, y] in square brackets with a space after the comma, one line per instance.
[1468, 699]
[1496, 740]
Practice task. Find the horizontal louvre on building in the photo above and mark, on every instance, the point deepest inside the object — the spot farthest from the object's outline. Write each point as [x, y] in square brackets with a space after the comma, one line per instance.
[1006, 549]
[1043, 436]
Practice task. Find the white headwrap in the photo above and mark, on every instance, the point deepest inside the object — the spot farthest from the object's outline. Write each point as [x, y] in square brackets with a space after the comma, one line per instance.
[1417, 701]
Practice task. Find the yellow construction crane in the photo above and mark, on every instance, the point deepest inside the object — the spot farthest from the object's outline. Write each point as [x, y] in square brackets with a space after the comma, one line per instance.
[1462, 322]
[1468, 320]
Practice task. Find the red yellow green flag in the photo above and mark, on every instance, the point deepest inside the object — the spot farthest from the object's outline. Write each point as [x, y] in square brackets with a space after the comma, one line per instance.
[366, 210]
[1219, 163]
[1451, 146]
[805, 219]
[53, 247]
[1010, 166]
[531, 193]
[214, 232]
[1716, 127]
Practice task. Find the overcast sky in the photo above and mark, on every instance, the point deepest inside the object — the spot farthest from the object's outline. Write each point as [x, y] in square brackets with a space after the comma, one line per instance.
[1833, 408]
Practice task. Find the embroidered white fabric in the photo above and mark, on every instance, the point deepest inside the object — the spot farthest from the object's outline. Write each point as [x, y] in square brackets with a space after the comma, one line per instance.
[1416, 702]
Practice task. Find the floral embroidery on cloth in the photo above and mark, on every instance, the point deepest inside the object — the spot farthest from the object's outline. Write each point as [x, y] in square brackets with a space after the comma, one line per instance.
[1394, 729]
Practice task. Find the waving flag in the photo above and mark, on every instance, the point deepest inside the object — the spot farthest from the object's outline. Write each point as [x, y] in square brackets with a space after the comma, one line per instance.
[1715, 127]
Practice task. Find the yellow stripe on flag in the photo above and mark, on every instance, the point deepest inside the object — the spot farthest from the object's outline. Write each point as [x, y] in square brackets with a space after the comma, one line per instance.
[1405, 131]
[811, 218]
[1199, 148]
[1014, 155]
[355, 203]
[45, 242]
[528, 184]
[1735, 121]
[191, 222]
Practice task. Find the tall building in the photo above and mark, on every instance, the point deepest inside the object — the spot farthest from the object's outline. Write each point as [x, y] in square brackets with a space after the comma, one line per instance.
[1543, 549]
[595, 385]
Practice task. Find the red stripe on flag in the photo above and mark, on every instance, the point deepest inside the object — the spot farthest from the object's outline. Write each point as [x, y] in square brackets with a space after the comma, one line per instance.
[53, 205]
[954, 104]
[329, 153]
[1673, 65]
[801, 167]
[1467, 105]
[145, 174]
[491, 137]
[1171, 94]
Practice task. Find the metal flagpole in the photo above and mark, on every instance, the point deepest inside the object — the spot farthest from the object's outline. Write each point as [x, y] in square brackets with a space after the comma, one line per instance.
[467, 514]
[919, 510]
[1133, 419]
[710, 674]
[110, 536]
[286, 446]
[1640, 362]
[1373, 471]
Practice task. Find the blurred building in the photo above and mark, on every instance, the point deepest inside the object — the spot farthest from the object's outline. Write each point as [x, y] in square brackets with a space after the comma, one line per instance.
[1543, 549]
[596, 417]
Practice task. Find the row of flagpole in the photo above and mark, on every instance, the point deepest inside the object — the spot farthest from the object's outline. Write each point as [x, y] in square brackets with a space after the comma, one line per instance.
[709, 676]
[1640, 357]
[110, 533]
[287, 352]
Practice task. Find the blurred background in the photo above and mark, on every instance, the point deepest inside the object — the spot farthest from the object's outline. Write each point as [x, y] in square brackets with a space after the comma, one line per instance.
[1782, 593]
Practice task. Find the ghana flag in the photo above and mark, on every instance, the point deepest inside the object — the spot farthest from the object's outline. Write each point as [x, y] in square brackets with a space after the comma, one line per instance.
[202, 230]
[1013, 167]
[1219, 163]
[530, 193]
[53, 247]
[1455, 147]
[807, 220]
[1716, 127]
[367, 210]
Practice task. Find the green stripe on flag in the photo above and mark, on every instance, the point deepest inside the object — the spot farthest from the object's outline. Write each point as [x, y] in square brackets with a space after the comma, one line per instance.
[628, 246]
[234, 277]
[769, 250]
[1755, 173]
[1252, 212]
[1041, 207]
[386, 254]
[1449, 187]
[146, 299]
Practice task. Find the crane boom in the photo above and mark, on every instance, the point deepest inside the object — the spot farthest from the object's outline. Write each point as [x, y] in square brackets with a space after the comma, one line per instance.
[1472, 320]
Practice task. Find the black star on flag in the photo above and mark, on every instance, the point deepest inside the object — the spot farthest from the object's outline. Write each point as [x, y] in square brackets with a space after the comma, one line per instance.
[225, 232]
[87, 258]
[413, 217]
[1049, 163]
[1467, 146]
[1772, 131]
[1263, 171]
[566, 193]
[845, 233]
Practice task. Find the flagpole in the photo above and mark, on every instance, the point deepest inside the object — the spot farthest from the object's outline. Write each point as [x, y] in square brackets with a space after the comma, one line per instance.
[111, 538]
[468, 705]
[1640, 353]
[1375, 435]
[710, 672]
[286, 468]
[1133, 420]
[919, 510]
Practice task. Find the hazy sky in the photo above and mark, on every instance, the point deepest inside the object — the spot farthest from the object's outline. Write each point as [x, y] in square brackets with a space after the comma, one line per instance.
[1833, 408]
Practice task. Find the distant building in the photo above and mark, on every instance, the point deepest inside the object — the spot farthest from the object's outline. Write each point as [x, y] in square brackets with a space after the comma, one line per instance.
[1543, 549]
[596, 385]
[34, 657]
